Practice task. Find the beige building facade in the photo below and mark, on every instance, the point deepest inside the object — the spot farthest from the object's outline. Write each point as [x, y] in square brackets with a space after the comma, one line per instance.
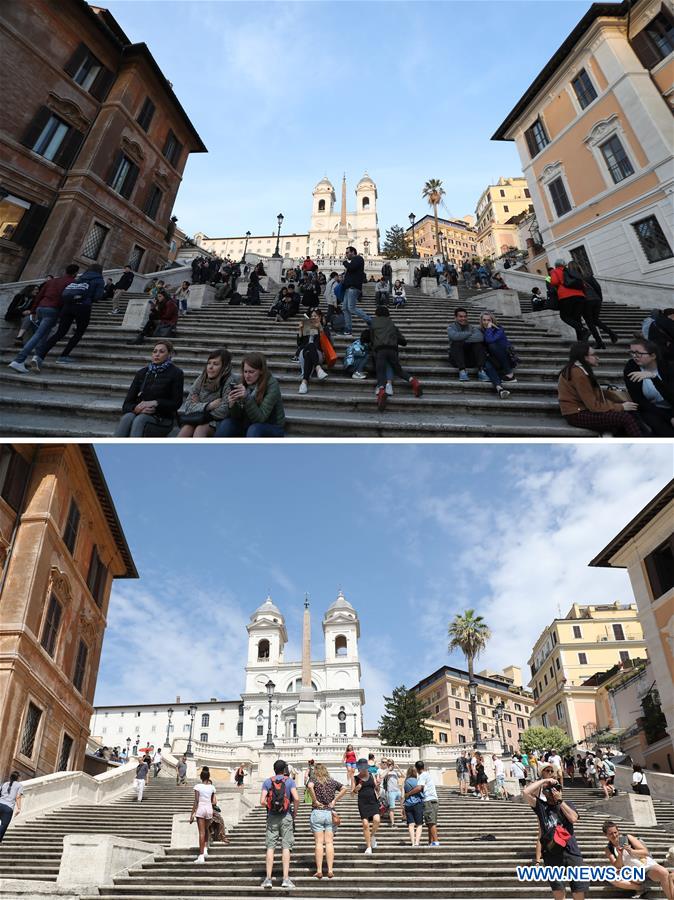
[497, 212]
[594, 134]
[445, 698]
[645, 547]
[458, 239]
[569, 652]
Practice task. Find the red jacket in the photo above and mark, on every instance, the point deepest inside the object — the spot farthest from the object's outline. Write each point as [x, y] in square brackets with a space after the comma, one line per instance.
[168, 314]
[557, 280]
[49, 294]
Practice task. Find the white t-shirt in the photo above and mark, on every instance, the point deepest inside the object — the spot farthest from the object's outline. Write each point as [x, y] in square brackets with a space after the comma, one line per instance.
[517, 769]
[426, 781]
[156, 758]
[499, 768]
[205, 792]
[8, 794]
[637, 778]
[555, 761]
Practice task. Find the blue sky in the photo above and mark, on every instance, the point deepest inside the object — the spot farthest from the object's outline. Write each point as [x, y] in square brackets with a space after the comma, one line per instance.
[284, 93]
[412, 534]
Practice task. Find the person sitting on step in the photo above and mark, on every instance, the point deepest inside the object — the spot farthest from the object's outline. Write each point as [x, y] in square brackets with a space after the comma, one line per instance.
[498, 361]
[466, 346]
[650, 383]
[162, 319]
[626, 850]
[206, 404]
[399, 295]
[311, 334]
[155, 394]
[255, 405]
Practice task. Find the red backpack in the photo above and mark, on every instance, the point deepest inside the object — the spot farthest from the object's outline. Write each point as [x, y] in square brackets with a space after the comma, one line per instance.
[277, 796]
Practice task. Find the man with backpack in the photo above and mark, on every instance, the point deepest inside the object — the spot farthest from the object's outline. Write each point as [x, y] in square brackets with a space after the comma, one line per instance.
[462, 773]
[573, 304]
[280, 798]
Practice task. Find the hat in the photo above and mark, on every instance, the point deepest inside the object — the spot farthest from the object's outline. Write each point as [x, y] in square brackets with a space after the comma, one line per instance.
[559, 262]
[362, 763]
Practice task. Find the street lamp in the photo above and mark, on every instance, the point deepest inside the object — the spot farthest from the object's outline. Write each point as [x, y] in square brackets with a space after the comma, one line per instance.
[354, 723]
[128, 749]
[193, 712]
[137, 745]
[276, 725]
[276, 254]
[245, 247]
[167, 743]
[269, 743]
[412, 219]
[472, 689]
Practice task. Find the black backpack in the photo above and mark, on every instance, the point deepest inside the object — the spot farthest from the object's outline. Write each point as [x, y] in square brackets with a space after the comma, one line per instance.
[277, 798]
[571, 281]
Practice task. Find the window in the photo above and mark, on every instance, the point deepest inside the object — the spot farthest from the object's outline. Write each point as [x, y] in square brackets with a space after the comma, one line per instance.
[124, 174]
[80, 666]
[239, 729]
[205, 720]
[618, 633]
[582, 659]
[87, 72]
[95, 240]
[544, 720]
[506, 208]
[660, 568]
[51, 137]
[437, 708]
[72, 525]
[624, 655]
[557, 665]
[342, 727]
[584, 89]
[559, 197]
[287, 245]
[458, 722]
[260, 730]
[186, 727]
[577, 632]
[30, 727]
[502, 193]
[559, 709]
[146, 113]
[51, 625]
[340, 645]
[656, 41]
[652, 239]
[510, 734]
[457, 704]
[172, 148]
[153, 202]
[618, 164]
[581, 259]
[520, 723]
[545, 679]
[14, 469]
[203, 737]
[64, 755]
[536, 138]
[263, 650]
[136, 257]
[366, 202]
[462, 738]
[97, 577]
[321, 205]
[526, 193]
[12, 211]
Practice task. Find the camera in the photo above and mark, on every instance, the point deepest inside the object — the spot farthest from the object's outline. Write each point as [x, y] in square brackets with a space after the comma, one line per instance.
[553, 787]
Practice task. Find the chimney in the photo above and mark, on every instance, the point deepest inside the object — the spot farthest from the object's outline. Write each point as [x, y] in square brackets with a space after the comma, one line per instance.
[178, 698]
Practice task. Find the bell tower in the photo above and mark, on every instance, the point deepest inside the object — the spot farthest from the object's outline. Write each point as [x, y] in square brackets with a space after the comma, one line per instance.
[267, 637]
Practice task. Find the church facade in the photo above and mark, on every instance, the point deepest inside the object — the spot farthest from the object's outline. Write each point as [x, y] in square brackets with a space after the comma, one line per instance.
[310, 697]
[332, 228]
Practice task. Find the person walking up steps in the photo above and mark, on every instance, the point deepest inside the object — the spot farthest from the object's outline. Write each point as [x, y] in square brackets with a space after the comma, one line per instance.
[142, 770]
[181, 770]
[386, 337]
[430, 798]
[202, 810]
[413, 807]
[156, 762]
[391, 784]
[462, 773]
[368, 805]
[349, 760]
[324, 792]
[280, 798]
[10, 801]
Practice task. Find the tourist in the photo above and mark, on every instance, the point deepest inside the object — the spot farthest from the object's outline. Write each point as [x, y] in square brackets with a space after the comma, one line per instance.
[279, 308]
[364, 785]
[650, 384]
[374, 769]
[324, 792]
[123, 284]
[572, 302]
[606, 775]
[462, 773]
[162, 319]
[639, 783]
[658, 327]
[481, 778]
[382, 292]
[628, 851]
[20, 312]
[156, 762]
[11, 793]
[181, 770]
[206, 404]
[349, 760]
[538, 302]
[311, 346]
[280, 798]
[591, 771]
[399, 295]
[387, 272]
[78, 298]
[182, 296]
[518, 770]
[142, 771]
[569, 765]
[467, 272]
[413, 806]
[555, 760]
[500, 791]
[472, 769]
[331, 298]
[546, 772]
[353, 280]
[45, 305]
[357, 355]
[426, 787]
[155, 394]
[255, 405]
[584, 404]
[466, 346]
[594, 298]
[391, 783]
[202, 810]
[386, 337]
[239, 775]
[557, 848]
[496, 282]
[499, 355]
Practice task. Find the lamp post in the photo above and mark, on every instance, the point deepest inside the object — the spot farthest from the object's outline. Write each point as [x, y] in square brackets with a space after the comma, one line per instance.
[169, 712]
[276, 725]
[193, 712]
[276, 254]
[137, 745]
[245, 247]
[412, 219]
[472, 690]
[128, 749]
[354, 723]
[269, 743]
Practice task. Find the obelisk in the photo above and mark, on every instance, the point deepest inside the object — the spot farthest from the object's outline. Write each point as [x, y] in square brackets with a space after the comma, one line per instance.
[306, 711]
[306, 646]
[342, 231]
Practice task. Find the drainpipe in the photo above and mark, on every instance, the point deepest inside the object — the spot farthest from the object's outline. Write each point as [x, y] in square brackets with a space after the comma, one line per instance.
[15, 527]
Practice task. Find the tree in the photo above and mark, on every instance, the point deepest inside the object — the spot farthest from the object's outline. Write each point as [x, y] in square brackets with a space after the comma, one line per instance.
[434, 192]
[539, 738]
[402, 722]
[469, 634]
[395, 244]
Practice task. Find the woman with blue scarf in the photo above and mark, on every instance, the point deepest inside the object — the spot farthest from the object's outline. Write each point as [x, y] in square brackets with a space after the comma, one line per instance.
[155, 394]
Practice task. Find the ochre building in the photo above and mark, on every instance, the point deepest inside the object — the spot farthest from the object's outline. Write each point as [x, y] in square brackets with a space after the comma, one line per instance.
[458, 240]
[61, 546]
[498, 211]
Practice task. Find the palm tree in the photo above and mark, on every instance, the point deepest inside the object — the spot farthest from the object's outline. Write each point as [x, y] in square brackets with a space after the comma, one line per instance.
[469, 633]
[434, 192]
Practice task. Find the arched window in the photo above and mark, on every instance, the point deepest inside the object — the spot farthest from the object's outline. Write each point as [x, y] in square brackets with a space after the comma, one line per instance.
[263, 650]
[321, 205]
[340, 645]
[366, 202]
[204, 737]
[205, 720]
[294, 686]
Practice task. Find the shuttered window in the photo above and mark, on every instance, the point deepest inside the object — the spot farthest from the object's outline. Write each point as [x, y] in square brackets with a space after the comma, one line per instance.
[80, 666]
[536, 138]
[172, 148]
[123, 175]
[656, 41]
[51, 625]
[146, 114]
[97, 577]
[14, 469]
[584, 89]
[153, 201]
[72, 526]
[87, 70]
[559, 196]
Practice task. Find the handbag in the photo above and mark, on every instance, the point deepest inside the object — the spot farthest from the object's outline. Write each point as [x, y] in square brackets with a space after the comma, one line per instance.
[164, 331]
[328, 350]
[513, 358]
[194, 417]
[336, 818]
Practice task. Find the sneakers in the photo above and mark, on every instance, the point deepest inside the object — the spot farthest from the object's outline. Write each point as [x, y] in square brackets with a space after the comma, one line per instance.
[381, 399]
[373, 843]
[359, 376]
[206, 851]
[482, 375]
[200, 859]
[368, 851]
[389, 389]
[434, 844]
[36, 363]
[463, 375]
[347, 334]
[511, 380]
[321, 373]
[287, 883]
[416, 387]
[114, 312]
[267, 884]
[503, 394]
[18, 367]
[304, 388]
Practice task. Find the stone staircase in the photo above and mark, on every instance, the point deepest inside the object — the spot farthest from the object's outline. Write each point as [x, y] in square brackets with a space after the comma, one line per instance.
[33, 849]
[84, 399]
[462, 867]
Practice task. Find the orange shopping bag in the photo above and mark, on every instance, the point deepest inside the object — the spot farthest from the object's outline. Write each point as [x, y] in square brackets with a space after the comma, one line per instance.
[328, 351]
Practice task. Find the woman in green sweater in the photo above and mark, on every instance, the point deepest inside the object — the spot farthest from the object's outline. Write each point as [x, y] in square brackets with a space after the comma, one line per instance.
[255, 405]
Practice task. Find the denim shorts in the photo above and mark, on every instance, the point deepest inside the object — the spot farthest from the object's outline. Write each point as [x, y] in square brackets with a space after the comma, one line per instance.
[393, 798]
[321, 820]
[414, 814]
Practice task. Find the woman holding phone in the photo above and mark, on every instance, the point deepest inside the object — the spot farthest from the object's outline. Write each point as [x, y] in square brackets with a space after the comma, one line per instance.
[255, 405]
